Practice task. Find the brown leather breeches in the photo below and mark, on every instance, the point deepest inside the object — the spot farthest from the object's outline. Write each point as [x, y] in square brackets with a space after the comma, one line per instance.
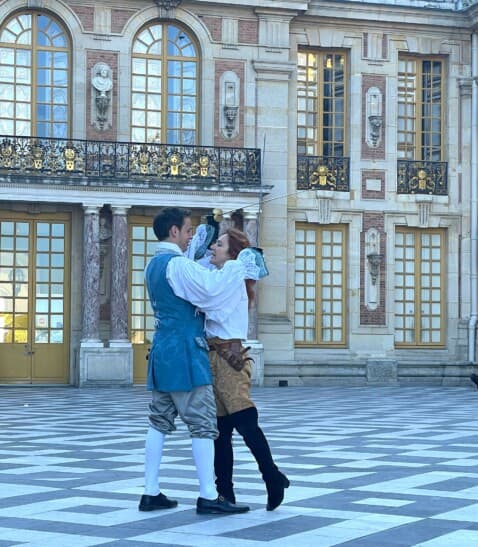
[231, 387]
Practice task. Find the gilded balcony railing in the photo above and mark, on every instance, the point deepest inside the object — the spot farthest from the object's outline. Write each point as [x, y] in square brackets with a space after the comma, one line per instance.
[422, 177]
[150, 163]
[323, 173]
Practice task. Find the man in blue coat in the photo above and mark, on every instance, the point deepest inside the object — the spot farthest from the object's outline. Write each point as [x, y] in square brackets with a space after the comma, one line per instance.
[179, 374]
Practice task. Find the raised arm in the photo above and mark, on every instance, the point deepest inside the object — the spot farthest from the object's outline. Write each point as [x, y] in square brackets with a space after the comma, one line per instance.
[207, 289]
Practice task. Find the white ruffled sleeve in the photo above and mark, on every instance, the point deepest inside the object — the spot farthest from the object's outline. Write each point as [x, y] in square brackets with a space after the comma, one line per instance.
[199, 244]
[207, 289]
[248, 258]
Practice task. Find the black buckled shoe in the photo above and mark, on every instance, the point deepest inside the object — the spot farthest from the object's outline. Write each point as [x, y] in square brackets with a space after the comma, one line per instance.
[219, 506]
[227, 493]
[155, 503]
[474, 379]
[275, 491]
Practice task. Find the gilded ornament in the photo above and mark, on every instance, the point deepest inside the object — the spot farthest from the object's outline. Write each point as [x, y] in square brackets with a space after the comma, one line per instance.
[217, 215]
[37, 153]
[322, 177]
[174, 164]
[143, 160]
[7, 154]
[422, 182]
[204, 164]
[69, 155]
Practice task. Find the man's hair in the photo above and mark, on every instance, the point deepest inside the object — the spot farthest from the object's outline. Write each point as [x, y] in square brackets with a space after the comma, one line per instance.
[166, 219]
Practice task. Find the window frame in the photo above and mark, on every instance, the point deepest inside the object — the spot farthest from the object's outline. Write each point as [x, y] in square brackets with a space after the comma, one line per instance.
[34, 48]
[161, 132]
[419, 288]
[318, 143]
[319, 340]
[418, 133]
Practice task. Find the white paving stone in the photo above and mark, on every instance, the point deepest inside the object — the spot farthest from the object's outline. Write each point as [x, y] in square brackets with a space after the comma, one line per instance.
[367, 466]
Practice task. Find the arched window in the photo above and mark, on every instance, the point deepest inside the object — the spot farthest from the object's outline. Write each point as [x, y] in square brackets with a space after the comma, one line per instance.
[164, 86]
[34, 76]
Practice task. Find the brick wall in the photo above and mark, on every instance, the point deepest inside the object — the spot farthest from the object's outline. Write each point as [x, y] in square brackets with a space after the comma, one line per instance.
[248, 31]
[369, 153]
[119, 17]
[86, 16]
[368, 189]
[214, 26]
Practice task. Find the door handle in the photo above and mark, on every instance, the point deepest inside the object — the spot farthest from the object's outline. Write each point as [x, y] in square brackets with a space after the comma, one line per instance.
[28, 350]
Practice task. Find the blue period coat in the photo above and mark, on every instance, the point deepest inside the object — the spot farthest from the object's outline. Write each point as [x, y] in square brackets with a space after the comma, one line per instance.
[178, 360]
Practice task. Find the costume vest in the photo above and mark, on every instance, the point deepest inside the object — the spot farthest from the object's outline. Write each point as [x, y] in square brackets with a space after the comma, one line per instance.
[178, 360]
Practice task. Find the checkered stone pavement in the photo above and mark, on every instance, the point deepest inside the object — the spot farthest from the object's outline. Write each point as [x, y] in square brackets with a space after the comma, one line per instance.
[369, 467]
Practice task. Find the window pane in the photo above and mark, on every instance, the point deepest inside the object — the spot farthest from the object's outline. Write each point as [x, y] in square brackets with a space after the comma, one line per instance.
[157, 80]
[52, 68]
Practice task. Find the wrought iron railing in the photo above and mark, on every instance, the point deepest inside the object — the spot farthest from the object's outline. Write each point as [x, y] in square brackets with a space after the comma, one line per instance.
[117, 161]
[422, 177]
[323, 173]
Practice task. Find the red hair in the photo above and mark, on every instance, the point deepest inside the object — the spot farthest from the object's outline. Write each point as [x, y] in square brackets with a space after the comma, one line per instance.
[238, 241]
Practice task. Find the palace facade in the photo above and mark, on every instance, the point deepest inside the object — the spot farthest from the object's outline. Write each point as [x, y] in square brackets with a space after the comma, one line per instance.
[340, 135]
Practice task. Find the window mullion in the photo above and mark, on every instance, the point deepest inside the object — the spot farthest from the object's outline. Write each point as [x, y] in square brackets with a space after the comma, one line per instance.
[418, 155]
[318, 291]
[34, 79]
[418, 286]
[164, 83]
[442, 110]
[320, 103]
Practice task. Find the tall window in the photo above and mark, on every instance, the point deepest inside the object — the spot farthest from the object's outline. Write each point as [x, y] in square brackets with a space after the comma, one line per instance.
[164, 86]
[420, 109]
[419, 287]
[320, 277]
[321, 90]
[34, 76]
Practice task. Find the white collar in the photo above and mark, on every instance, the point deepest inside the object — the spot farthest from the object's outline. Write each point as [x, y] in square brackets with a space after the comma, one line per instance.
[164, 246]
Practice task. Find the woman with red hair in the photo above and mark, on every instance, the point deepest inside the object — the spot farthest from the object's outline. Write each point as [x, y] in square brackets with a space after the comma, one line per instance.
[231, 369]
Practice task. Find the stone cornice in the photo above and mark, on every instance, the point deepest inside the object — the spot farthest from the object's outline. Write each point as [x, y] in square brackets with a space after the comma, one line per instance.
[298, 5]
[274, 70]
[385, 14]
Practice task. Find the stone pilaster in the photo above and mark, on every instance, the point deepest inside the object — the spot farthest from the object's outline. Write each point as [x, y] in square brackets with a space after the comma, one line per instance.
[465, 86]
[225, 223]
[257, 349]
[250, 229]
[274, 115]
[91, 275]
[119, 276]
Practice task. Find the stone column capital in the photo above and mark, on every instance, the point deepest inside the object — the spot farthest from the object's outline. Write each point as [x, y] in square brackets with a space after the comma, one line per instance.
[251, 214]
[465, 86]
[120, 209]
[91, 209]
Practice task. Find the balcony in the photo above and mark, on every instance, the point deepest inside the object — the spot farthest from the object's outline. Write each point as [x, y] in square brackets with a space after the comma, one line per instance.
[323, 173]
[422, 177]
[123, 164]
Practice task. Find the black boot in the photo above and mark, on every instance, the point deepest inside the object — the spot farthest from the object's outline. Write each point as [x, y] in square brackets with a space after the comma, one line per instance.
[474, 379]
[246, 423]
[223, 459]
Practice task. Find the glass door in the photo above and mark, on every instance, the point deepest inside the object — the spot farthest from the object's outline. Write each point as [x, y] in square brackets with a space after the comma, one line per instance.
[34, 299]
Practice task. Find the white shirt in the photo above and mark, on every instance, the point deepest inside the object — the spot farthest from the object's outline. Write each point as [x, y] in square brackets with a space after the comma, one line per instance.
[220, 294]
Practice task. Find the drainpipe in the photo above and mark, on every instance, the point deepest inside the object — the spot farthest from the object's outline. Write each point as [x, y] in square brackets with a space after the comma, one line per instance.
[474, 201]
